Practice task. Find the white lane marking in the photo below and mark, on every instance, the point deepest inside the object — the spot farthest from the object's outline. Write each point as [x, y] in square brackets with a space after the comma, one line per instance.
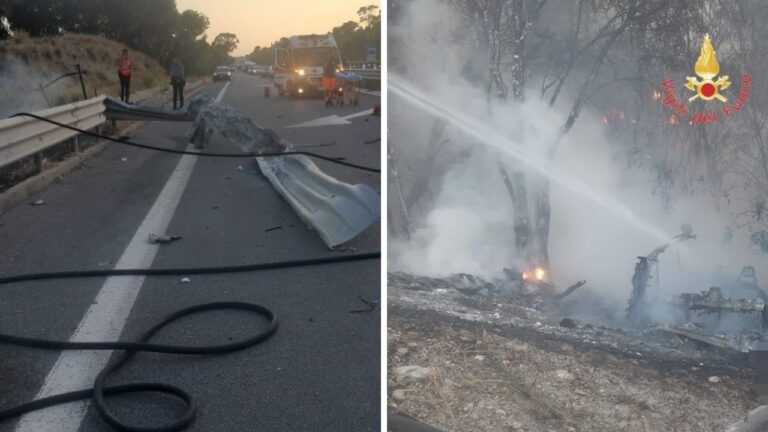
[332, 120]
[360, 114]
[105, 319]
[223, 90]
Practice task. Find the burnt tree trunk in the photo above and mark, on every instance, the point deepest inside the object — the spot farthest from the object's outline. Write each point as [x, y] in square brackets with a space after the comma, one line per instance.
[512, 14]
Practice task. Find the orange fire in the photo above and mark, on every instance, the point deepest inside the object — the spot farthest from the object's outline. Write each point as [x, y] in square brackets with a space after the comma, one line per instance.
[537, 273]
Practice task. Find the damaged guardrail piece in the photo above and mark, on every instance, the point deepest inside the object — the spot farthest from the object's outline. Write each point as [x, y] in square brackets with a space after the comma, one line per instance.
[337, 211]
[119, 110]
[21, 137]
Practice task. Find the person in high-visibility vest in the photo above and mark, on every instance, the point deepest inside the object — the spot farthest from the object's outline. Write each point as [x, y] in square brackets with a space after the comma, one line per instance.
[329, 82]
[124, 69]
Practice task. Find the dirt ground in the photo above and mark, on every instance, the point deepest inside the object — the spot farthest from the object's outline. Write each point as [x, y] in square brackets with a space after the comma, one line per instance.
[503, 375]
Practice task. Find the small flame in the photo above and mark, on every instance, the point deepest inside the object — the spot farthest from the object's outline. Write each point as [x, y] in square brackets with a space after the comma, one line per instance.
[537, 273]
[707, 66]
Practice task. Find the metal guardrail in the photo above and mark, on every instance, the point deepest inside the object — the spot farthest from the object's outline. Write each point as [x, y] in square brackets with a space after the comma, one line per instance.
[367, 70]
[369, 74]
[22, 137]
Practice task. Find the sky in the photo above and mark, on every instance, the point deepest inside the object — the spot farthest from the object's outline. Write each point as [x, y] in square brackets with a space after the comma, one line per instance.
[261, 22]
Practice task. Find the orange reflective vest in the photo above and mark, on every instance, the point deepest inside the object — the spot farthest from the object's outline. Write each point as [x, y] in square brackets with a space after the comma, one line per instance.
[123, 65]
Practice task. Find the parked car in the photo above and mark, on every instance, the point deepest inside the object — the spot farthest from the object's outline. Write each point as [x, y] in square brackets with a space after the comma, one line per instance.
[222, 73]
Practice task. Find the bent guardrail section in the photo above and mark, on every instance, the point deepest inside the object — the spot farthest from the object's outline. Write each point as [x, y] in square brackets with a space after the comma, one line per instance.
[337, 211]
[22, 137]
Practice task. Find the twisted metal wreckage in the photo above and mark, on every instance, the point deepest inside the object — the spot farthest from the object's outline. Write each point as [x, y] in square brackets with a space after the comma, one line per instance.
[700, 315]
[336, 210]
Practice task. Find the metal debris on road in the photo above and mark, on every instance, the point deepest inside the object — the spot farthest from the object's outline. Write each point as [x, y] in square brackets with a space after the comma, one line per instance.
[273, 228]
[162, 239]
[371, 306]
[37, 203]
[185, 280]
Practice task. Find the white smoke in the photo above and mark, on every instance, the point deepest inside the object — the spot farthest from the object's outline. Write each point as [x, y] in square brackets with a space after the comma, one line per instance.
[467, 227]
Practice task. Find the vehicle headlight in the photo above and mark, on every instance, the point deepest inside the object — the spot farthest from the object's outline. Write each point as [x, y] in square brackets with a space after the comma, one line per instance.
[301, 72]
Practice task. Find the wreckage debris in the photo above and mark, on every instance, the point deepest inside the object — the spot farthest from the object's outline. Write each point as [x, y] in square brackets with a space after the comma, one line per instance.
[713, 302]
[371, 306]
[638, 303]
[162, 239]
[570, 290]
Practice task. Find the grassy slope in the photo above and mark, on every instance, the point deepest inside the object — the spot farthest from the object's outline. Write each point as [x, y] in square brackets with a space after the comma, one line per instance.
[26, 62]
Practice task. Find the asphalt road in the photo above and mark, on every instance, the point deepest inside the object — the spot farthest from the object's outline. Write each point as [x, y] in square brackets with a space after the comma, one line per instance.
[320, 372]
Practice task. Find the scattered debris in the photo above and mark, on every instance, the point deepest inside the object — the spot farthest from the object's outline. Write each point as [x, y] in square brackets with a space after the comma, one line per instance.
[373, 141]
[571, 289]
[315, 145]
[370, 306]
[273, 228]
[569, 323]
[185, 280]
[37, 203]
[647, 405]
[411, 373]
[239, 168]
[398, 395]
[124, 159]
[714, 379]
[162, 239]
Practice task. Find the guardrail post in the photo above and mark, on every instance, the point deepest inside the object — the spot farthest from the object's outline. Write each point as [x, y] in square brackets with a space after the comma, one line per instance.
[75, 145]
[45, 96]
[38, 162]
[82, 82]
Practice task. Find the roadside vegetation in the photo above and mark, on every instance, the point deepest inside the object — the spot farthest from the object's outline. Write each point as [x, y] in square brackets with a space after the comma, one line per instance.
[27, 62]
[154, 27]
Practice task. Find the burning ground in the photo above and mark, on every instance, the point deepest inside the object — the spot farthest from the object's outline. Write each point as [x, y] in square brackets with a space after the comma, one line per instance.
[471, 355]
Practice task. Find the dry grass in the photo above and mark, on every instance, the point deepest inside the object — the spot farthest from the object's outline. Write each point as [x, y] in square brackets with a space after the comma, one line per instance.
[485, 381]
[27, 62]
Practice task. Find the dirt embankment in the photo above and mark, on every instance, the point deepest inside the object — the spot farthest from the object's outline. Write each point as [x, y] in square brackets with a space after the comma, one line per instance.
[480, 364]
[27, 62]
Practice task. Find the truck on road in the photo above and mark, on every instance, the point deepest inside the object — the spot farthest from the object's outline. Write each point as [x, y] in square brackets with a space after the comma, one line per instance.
[299, 62]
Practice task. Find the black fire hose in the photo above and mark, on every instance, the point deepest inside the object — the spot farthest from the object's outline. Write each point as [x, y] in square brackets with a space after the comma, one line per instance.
[99, 392]
[185, 152]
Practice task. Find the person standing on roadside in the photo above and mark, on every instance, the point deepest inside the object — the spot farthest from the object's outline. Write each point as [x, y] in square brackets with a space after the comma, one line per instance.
[329, 81]
[124, 69]
[177, 82]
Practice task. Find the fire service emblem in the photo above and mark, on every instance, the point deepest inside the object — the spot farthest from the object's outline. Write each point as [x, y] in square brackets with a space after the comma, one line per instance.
[707, 69]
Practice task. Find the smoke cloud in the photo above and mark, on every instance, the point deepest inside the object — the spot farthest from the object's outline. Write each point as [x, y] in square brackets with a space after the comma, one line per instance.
[466, 224]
